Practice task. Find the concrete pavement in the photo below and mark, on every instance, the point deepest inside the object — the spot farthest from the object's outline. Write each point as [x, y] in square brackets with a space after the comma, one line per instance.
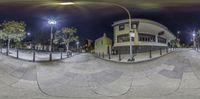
[174, 76]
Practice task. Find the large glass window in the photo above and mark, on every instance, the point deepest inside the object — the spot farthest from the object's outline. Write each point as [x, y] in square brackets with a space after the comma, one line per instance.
[146, 37]
[162, 40]
[123, 38]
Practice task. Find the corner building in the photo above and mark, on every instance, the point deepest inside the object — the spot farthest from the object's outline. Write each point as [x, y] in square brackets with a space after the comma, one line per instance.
[151, 35]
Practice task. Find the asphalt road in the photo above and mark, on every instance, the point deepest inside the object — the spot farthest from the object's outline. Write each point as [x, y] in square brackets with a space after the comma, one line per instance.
[174, 76]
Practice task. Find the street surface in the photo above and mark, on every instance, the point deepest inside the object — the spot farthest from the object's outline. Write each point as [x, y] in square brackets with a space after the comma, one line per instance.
[174, 76]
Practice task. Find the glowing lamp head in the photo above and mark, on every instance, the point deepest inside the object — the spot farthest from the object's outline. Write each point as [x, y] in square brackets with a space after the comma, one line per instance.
[52, 22]
[77, 42]
[66, 3]
[28, 33]
[193, 34]
[178, 32]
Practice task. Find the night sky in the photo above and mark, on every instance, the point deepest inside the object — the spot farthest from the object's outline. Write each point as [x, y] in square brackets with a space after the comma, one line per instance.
[94, 20]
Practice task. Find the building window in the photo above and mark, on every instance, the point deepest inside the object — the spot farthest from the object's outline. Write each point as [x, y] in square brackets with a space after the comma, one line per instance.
[121, 27]
[146, 37]
[133, 26]
[162, 40]
[123, 38]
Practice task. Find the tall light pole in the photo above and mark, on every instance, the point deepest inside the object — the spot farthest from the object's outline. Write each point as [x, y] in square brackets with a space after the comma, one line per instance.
[178, 32]
[131, 32]
[194, 36]
[28, 35]
[77, 45]
[51, 23]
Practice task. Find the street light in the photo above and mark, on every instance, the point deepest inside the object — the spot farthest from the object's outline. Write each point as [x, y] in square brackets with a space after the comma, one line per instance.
[178, 32]
[131, 32]
[77, 45]
[66, 3]
[28, 33]
[194, 36]
[51, 22]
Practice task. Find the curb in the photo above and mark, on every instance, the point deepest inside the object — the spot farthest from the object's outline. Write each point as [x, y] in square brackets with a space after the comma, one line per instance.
[133, 62]
[36, 61]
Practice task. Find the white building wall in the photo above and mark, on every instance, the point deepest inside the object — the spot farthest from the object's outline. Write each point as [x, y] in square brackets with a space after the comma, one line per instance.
[118, 32]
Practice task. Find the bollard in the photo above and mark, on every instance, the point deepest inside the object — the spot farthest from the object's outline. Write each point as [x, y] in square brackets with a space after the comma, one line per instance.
[70, 54]
[67, 55]
[120, 57]
[33, 55]
[167, 50]
[7, 52]
[150, 56]
[103, 55]
[61, 56]
[109, 55]
[99, 54]
[17, 53]
[160, 51]
[50, 56]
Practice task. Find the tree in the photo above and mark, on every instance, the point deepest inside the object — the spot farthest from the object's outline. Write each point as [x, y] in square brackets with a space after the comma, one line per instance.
[2, 38]
[173, 43]
[13, 30]
[66, 36]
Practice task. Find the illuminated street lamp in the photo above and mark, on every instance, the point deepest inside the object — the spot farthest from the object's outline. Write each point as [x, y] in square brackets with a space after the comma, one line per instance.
[28, 33]
[177, 35]
[178, 32]
[77, 45]
[131, 32]
[66, 3]
[51, 23]
[194, 36]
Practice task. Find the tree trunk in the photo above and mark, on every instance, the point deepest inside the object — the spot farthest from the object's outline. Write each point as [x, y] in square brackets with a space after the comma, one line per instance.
[67, 47]
[8, 46]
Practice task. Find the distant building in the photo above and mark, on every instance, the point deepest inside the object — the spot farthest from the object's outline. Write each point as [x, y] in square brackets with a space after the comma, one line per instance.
[88, 46]
[178, 43]
[150, 35]
[197, 39]
[103, 45]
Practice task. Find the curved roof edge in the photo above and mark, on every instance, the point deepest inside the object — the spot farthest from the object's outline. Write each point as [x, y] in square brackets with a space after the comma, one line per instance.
[143, 21]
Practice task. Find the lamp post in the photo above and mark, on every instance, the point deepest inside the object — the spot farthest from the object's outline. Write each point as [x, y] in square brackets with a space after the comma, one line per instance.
[194, 36]
[177, 35]
[131, 32]
[77, 45]
[178, 32]
[28, 34]
[51, 23]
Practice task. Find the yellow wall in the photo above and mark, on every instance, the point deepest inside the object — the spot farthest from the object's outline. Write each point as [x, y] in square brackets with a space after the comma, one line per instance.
[102, 44]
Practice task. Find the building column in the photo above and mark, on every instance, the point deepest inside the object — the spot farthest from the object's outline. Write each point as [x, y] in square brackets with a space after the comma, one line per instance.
[136, 38]
[156, 38]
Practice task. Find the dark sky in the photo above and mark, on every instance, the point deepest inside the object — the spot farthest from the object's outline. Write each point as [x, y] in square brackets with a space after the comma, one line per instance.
[93, 20]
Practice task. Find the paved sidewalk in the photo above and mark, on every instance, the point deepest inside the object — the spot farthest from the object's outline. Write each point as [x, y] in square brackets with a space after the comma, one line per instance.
[139, 57]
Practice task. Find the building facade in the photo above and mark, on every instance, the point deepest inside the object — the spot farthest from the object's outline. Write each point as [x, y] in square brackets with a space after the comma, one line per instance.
[103, 45]
[148, 35]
